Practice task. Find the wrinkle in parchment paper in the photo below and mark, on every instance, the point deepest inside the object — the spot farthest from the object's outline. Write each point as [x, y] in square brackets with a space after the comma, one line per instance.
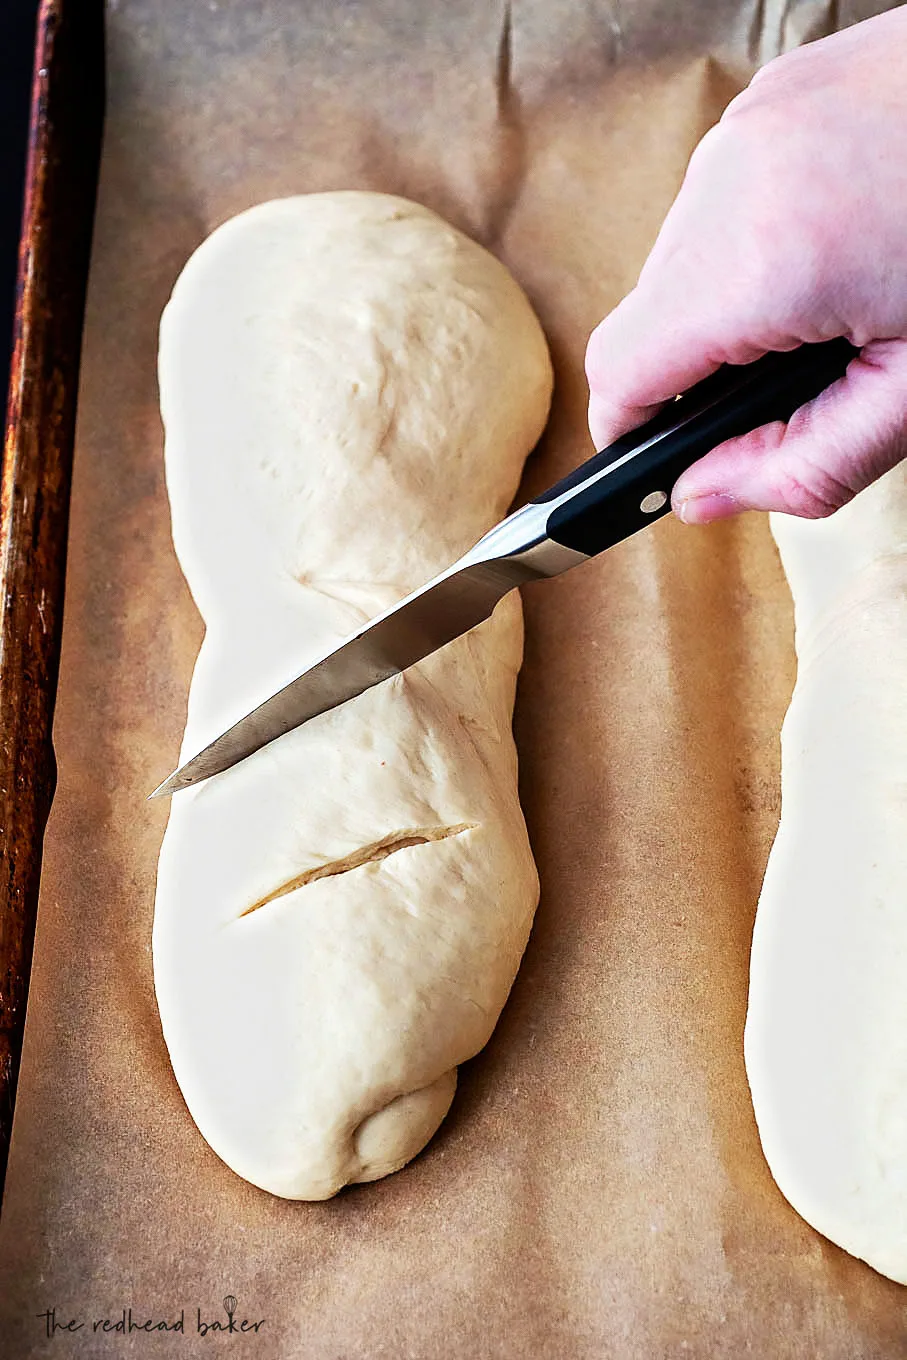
[598, 1189]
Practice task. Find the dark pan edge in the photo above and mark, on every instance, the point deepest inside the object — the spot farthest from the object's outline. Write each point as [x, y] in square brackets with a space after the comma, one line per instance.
[64, 152]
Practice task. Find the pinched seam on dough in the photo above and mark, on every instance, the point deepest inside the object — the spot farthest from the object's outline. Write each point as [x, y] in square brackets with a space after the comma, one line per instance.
[366, 854]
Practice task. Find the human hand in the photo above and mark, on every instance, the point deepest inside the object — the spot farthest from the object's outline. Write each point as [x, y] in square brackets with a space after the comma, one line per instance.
[790, 227]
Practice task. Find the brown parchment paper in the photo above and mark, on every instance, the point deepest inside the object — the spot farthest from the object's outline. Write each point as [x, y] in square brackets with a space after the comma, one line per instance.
[598, 1189]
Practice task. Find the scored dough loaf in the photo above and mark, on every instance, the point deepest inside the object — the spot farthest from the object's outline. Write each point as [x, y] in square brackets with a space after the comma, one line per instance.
[349, 389]
[826, 1030]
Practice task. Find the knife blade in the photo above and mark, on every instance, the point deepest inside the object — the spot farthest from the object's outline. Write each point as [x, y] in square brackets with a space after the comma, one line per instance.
[611, 496]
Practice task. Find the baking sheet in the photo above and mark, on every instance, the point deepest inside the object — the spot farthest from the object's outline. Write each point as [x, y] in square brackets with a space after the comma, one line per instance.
[598, 1188]
[64, 149]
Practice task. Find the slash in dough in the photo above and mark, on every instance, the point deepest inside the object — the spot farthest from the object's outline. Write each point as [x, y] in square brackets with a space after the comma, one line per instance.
[826, 1030]
[349, 389]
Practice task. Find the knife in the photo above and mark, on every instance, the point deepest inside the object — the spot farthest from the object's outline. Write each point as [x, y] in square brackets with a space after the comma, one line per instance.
[615, 493]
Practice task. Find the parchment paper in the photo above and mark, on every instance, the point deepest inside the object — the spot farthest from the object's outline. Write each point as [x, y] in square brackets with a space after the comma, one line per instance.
[598, 1189]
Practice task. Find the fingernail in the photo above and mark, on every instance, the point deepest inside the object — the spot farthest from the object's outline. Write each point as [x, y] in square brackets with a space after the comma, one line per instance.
[705, 509]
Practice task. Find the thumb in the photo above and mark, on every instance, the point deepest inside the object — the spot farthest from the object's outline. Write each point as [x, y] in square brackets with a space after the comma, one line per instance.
[829, 450]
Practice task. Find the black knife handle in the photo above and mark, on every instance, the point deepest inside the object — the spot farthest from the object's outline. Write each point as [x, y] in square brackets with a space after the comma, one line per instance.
[609, 506]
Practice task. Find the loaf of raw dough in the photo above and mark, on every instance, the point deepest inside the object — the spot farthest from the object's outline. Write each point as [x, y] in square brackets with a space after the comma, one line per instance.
[826, 1031]
[349, 389]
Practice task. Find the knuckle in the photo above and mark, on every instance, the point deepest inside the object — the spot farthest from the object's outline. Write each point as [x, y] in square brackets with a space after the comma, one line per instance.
[610, 342]
[780, 68]
[811, 491]
[710, 145]
[756, 127]
[742, 106]
[729, 145]
[596, 361]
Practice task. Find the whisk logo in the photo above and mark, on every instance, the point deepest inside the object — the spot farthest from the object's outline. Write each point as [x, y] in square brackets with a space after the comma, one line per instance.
[231, 1323]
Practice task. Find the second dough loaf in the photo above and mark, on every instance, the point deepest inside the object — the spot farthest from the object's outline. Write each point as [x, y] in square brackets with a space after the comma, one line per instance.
[826, 1028]
[349, 389]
